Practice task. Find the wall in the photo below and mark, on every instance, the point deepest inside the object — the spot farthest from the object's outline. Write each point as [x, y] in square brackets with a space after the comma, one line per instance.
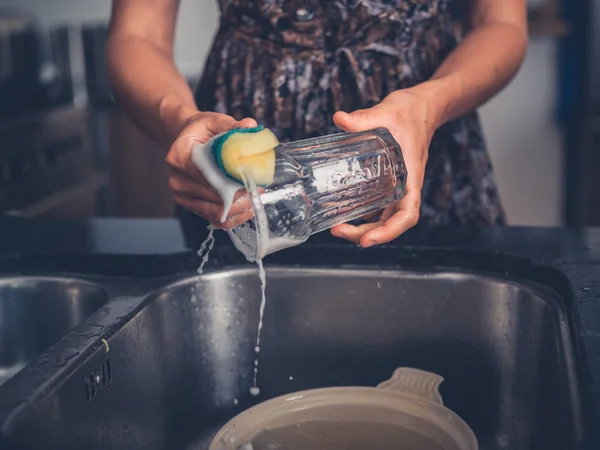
[524, 141]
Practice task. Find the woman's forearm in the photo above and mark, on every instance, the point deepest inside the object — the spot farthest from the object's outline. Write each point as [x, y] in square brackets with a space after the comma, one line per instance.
[484, 63]
[149, 87]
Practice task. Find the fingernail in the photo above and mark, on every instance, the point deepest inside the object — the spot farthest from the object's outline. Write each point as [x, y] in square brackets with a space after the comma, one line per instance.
[369, 244]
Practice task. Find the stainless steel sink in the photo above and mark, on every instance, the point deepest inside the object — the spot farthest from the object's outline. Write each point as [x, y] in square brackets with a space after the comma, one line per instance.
[175, 371]
[36, 312]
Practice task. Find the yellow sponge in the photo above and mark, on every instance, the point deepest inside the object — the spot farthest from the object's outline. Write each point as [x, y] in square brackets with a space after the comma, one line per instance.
[249, 151]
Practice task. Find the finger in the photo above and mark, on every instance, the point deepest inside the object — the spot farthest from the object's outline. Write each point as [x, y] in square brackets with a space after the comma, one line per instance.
[247, 123]
[405, 218]
[346, 121]
[179, 160]
[237, 220]
[239, 212]
[219, 123]
[185, 186]
[234, 221]
[359, 120]
[241, 205]
[210, 211]
[180, 182]
[353, 233]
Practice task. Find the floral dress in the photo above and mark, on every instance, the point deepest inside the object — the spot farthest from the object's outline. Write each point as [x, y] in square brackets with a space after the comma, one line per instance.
[291, 64]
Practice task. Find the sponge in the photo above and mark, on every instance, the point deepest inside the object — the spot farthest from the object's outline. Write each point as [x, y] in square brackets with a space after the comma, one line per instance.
[247, 151]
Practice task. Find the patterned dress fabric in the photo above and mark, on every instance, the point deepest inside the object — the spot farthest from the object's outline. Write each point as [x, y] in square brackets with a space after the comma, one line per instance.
[291, 64]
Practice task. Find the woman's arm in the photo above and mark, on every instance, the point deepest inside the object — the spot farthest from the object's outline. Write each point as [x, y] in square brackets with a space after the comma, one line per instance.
[142, 73]
[484, 62]
[155, 95]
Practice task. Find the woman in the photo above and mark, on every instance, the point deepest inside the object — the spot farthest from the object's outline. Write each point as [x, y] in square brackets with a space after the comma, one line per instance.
[312, 67]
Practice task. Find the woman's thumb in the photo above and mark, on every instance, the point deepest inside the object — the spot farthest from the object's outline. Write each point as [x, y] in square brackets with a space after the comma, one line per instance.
[352, 122]
[247, 123]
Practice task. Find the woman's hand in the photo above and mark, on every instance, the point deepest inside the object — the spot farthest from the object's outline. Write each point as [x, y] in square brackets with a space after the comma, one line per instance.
[411, 119]
[190, 188]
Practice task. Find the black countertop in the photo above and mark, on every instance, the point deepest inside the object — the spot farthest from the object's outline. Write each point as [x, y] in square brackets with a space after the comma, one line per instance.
[567, 259]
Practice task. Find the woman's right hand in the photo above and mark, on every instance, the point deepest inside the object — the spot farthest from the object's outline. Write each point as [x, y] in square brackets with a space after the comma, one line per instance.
[190, 188]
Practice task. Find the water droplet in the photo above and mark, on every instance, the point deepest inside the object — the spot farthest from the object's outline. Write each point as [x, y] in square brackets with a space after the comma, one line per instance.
[254, 391]
[257, 349]
[291, 378]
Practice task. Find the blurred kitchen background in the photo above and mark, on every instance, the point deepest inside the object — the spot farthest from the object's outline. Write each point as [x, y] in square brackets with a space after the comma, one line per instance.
[67, 151]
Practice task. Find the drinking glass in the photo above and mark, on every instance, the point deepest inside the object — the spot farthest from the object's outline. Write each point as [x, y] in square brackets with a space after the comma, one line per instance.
[319, 183]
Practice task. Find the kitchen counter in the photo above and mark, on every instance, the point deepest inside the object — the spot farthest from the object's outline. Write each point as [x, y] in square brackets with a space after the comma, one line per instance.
[568, 260]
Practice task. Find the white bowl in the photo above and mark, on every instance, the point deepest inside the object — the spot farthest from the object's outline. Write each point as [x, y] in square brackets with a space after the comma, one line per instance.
[409, 404]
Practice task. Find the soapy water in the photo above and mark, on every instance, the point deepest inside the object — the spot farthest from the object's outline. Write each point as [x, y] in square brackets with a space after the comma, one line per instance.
[206, 248]
[227, 189]
[262, 233]
[348, 435]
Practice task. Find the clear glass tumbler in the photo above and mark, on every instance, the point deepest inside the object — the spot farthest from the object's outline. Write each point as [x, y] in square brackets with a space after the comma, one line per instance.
[321, 182]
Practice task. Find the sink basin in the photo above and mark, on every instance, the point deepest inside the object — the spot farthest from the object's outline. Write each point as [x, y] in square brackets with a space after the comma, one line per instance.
[183, 365]
[36, 312]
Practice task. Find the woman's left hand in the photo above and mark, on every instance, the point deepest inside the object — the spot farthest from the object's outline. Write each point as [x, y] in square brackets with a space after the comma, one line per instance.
[412, 120]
